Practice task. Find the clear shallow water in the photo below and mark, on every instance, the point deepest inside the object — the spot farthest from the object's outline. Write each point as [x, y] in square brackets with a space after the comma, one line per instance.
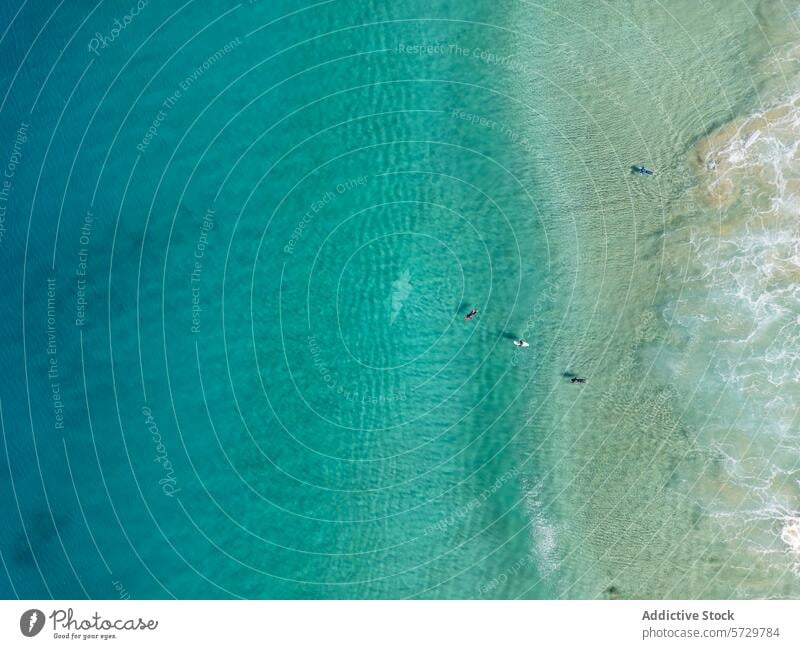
[266, 382]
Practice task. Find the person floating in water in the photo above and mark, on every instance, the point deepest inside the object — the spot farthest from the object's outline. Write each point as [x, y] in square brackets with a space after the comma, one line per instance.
[520, 343]
[576, 379]
[471, 314]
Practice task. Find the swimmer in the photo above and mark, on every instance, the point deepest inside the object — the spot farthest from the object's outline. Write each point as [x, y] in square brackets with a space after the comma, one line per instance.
[521, 343]
[575, 379]
[471, 314]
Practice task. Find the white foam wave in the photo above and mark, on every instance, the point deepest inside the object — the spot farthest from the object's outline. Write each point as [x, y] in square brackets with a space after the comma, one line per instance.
[740, 311]
[790, 534]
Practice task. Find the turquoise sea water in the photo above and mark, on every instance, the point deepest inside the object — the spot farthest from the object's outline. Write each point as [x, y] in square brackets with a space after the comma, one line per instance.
[239, 242]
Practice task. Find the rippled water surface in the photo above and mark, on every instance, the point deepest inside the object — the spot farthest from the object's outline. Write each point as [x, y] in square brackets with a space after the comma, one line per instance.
[240, 241]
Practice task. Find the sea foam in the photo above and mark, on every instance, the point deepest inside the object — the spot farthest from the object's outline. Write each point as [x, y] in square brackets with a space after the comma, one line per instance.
[737, 258]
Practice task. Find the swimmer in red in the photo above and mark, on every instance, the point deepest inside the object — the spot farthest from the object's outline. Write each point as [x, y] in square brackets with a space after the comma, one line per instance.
[471, 314]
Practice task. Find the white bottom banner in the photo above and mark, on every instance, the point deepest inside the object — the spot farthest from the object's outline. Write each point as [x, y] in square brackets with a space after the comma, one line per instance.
[464, 625]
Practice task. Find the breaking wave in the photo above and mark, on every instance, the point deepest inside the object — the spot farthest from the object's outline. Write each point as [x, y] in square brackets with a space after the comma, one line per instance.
[736, 259]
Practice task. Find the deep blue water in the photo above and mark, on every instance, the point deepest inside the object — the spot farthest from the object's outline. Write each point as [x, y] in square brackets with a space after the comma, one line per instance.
[250, 375]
